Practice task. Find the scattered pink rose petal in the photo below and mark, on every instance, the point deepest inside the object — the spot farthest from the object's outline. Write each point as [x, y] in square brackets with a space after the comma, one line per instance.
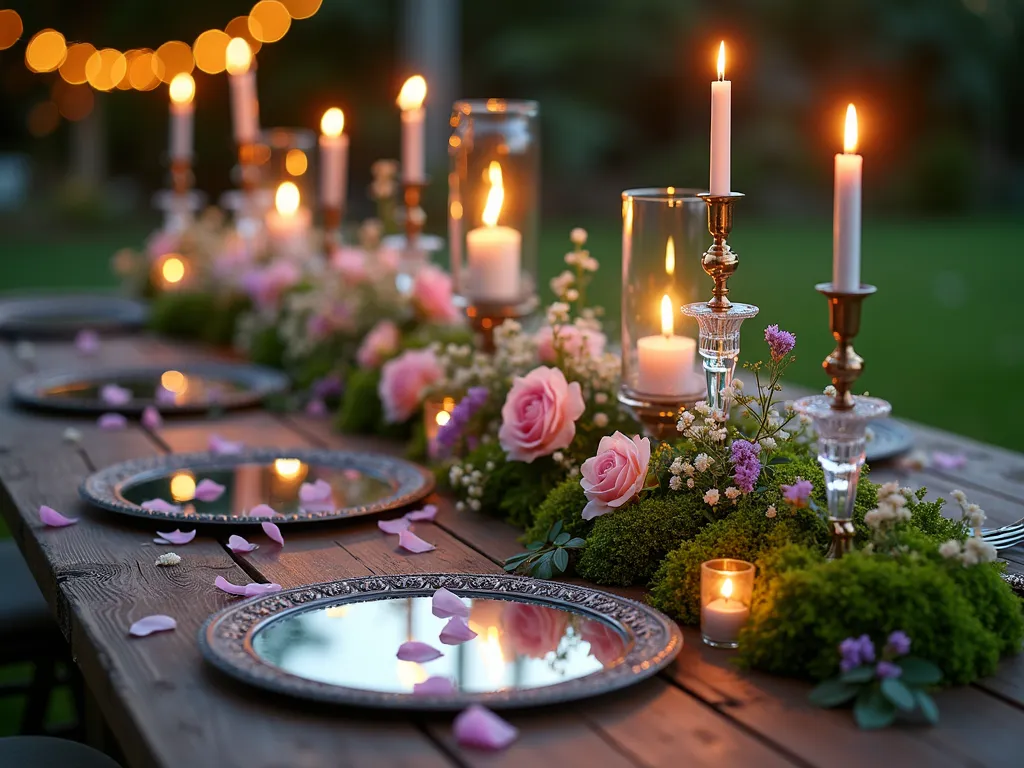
[164, 396]
[351, 474]
[948, 461]
[456, 632]
[446, 604]
[226, 586]
[209, 490]
[410, 541]
[111, 394]
[176, 536]
[159, 505]
[318, 491]
[434, 686]
[316, 408]
[112, 422]
[253, 589]
[262, 510]
[245, 590]
[87, 342]
[427, 514]
[397, 525]
[480, 728]
[54, 519]
[273, 532]
[238, 544]
[418, 652]
[151, 624]
[151, 418]
[223, 447]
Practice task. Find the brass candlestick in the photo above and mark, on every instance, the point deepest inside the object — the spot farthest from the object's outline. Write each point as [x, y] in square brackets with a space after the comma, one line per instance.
[333, 216]
[843, 364]
[414, 216]
[484, 318]
[720, 260]
[182, 177]
[248, 167]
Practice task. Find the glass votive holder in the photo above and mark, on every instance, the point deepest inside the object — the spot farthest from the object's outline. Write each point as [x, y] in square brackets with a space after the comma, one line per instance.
[726, 589]
[494, 203]
[663, 233]
[437, 411]
[288, 154]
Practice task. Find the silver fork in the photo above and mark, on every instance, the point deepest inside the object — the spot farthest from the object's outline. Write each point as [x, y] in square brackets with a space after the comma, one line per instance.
[1005, 536]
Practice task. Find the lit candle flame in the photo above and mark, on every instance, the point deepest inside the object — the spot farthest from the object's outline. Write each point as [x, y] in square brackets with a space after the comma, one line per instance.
[286, 200]
[667, 326]
[721, 61]
[442, 418]
[238, 56]
[670, 257]
[182, 88]
[333, 122]
[496, 195]
[287, 469]
[727, 589]
[183, 487]
[173, 270]
[413, 92]
[850, 134]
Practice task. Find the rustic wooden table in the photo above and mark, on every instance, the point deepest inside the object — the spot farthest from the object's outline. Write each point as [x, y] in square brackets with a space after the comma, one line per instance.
[167, 708]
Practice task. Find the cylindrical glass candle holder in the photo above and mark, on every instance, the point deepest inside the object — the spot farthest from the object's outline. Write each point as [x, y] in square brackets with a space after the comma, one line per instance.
[437, 411]
[726, 589]
[663, 230]
[289, 155]
[493, 204]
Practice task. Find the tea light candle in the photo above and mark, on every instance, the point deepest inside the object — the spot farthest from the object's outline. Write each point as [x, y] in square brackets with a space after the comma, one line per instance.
[494, 253]
[333, 159]
[846, 212]
[666, 360]
[410, 101]
[245, 108]
[722, 619]
[721, 129]
[182, 90]
[726, 587]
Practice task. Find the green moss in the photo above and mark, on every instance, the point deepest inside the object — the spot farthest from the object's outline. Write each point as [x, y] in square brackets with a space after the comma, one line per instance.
[513, 489]
[267, 348]
[564, 503]
[361, 411]
[196, 316]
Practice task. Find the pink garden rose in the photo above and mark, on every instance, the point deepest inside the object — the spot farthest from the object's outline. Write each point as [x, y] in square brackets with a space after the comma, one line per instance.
[539, 414]
[266, 286]
[351, 264]
[160, 242]
[533, 630]
[573, 340]
[606, 644]
[404, 381]
[432, 293]
[616, 474]
[380, 343]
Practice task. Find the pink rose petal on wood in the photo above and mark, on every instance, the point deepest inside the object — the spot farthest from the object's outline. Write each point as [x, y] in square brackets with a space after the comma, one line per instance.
[482, 729]
[949, 461]
[314, 492]
[54, 519]
[87, 342]
[111, 394]
[262, 510]
[410, 541]
[238, 544]
[245, 590]
[418, 652]
[209, 490]
[252, 590]
[397, 525]
[427, 514]
[445, 604]
[151, 624]
[177, 537]
[222, 447]
[273, 532]
[434, 686]
[159, 505]
[456, 632]
[226, 586]
[111, 422]
[151, 418]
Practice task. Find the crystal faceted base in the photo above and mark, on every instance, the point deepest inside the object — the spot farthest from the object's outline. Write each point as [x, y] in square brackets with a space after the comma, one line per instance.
[719, 345]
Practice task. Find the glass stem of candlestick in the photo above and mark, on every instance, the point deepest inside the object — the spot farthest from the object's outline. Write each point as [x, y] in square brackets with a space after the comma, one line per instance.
[719, 345]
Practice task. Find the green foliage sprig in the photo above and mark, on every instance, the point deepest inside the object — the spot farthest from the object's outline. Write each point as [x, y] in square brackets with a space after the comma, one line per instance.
[544, 559]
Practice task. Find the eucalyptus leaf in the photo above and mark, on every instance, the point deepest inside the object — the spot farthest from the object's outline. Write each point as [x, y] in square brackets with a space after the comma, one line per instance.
[561, 539]
[561, 560]
[872, 710]
[858, 675]
[533, 546]
[542, 569]
[928, 707]
[576, 543]
[895, 691]
[555, 530]
[517, 559]
[832, 693]
[917, 671]
[511, 567]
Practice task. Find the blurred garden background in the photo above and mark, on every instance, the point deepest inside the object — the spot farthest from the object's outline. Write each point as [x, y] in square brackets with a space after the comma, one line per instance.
[623, 88]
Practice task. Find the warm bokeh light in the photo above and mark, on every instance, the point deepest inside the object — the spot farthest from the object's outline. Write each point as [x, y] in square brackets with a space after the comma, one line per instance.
[302, 9]
[333, 122]
[495, 196]
[726, 590]
[721, 61]
[442, 418]
[850, 132]
[269, 21]
[105, 68]
[286, 199]
[413, 92]
[239, 27]
[670, 256]
[11, 28]
[210, 51]
[43, 119]
[183, 487]
[288, 469]
[173, 270]
[176, 58]
[667, 326]
[145, 71]
[182, 88]
[75, 102]
[296, 162]
[45, 51]
[125, 83]
[456, 210]
[73, 68]
[238, 56]
[174, 381]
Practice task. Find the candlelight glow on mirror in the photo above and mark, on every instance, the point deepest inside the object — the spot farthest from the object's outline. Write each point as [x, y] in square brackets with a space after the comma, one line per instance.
[183, 487]
[174, 381]
[727, 589]
[172, 270]
[287, 469]
[667, 326]
[182, 88]
[286, 200]
[333, 122]
[413, 92]
[721, 61]
[410, 673]
[850, 133]
[496, 195]
[670, 257]
[238, 56]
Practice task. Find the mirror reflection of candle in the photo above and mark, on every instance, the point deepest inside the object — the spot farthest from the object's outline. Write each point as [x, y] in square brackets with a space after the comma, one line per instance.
[172, 270]
[666, 360]
[288, 469]
[494, 252]
[183, 487]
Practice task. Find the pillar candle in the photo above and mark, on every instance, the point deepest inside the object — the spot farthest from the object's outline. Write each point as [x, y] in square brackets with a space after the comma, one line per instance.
[493, 252]
[721, 129]
[410, 100]
[182, 90]
[245, 108]
[333, 159]
[846, 211]
[665, 361]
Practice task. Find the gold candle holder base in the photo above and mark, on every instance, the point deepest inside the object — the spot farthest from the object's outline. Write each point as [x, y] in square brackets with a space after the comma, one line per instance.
[182, 177]
[720, 260]
[484, 318]
[844, 365]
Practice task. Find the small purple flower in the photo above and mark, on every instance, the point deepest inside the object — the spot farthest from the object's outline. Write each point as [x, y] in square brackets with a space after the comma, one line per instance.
[327, 387]
[886, 669]
[316, 408]
[746, 465]
[797, 495]
[448, 435]
[898, 644]
[849, 650]
[780, 343]
[867, 649]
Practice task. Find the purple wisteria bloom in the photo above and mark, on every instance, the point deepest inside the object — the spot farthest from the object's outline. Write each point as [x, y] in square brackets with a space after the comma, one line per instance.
[886, 669]
[448, 435]
[798, 493]
[780, 343]
[898, 644]
[856, 651]
[746, 465]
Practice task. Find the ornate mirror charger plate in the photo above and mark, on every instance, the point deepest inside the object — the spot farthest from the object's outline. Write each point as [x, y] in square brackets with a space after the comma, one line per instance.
[186, 389]
[536, 642]
[359, 484]
[64, 315]
[888, 438]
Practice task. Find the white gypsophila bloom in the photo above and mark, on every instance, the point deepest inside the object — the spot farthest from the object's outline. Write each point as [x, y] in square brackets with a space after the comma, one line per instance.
[950, 549]
[782, 434]
[572, 294]
[771, 511]
[675, 483]
[587, 262]
[688, 469]
[980, 550]
[562, 283]
[690, 483]
[578, 236]
[558, 313]
[887, 489]
[460, 506]
[677, 466]
[601, 398]
[768, 443]
[805, 419]
[896, 500]
[489, 466]
[600, 420]
[719, 435]
[702, 462]
[455, 474]
[474, 504]
[574, 471]
[572, 258]
[702, 408]
[732, 493]
[728, 393]
[829, 390]
[737, 385]
[711, 497]
[558, 456]
[168, 559]
[959, 496]
[975, 516]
